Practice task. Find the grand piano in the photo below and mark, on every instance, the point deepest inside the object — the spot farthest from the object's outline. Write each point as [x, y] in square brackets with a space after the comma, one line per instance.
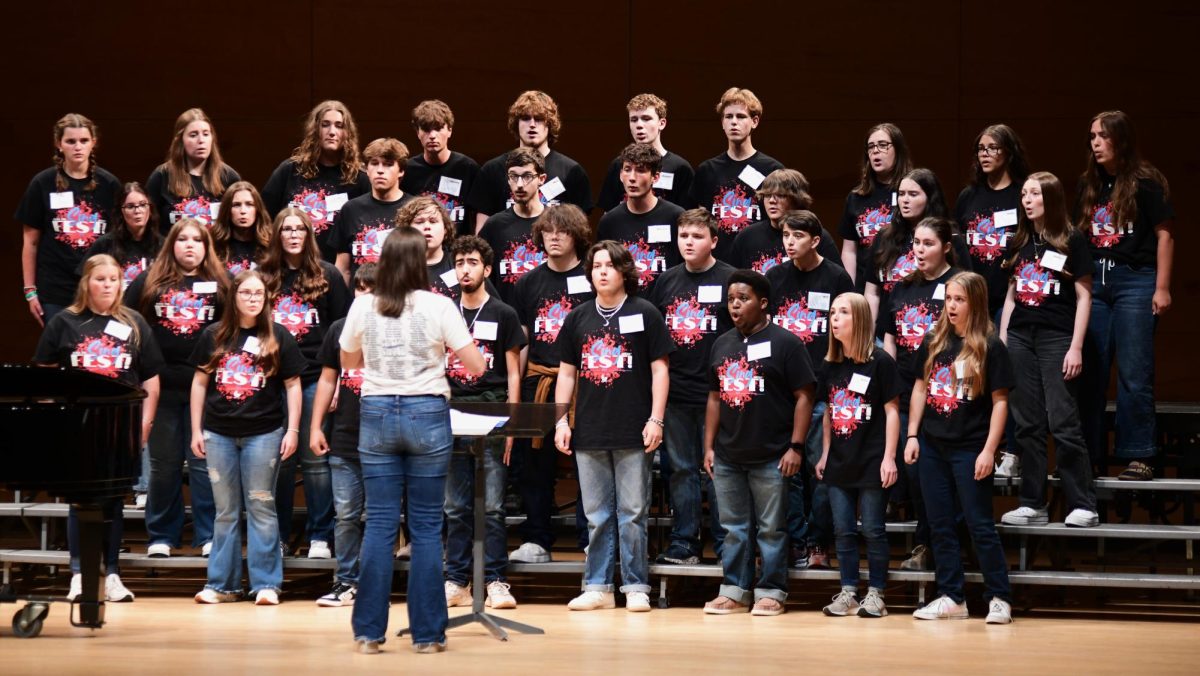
[77, 436]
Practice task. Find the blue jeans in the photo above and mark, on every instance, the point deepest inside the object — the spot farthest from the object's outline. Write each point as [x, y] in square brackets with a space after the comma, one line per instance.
[114, 528]
[318, 488]
[684, 449]
[616, 500]
[870, 503]
[810, 520]
[945, 474]
[348, 505]
[752, 495]
[460, 513]
[404, 446]
[49, 310]
[1121, 326]
[143, 482]
[242, 470]
[170, 440]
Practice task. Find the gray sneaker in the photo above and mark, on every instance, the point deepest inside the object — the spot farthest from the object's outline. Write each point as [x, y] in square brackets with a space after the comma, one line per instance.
[872, 604]
[843, 604]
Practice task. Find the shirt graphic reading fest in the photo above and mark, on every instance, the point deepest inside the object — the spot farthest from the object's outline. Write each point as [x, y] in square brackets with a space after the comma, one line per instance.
[544, 298]
[726, 188]
[988, 220]
[102, 345]
[362, 227]
[674, 182]
[496, 330]
[68, 222]
[801, 302]
[755, 378]
[956, 417]
[344, 441]
[241, 256]
[613, 396]
[856, 395]
[134, 256]
[863, 218]
[908, 313]
[308, 320]
[321, 197]
[448, 183]
[694, 309]
[1044, 283]
[201, 205]
[513, 251]
[566, 183]
[1133, 242]
[759, 247]
[649, 237]
[178, 314]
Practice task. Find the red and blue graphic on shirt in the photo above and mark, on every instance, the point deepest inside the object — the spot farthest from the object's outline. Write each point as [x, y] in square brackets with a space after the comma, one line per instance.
[648, 260]
[688, 321]
[295, 315]
[78, 226]
[904, 266]
[945, 393]
[239, 376]
[604, 358]
[131, 270]
[734, 208]
[740, 382]
[871, 222]
[1032, 283]
[312, 202]
[913, 322]
[520, 257]
[847, 410]
[1105, 234]
[767, 261]
[352, 379]
[456, 209]
[456, 371]
[802, 321]
[103, 355]
[236, 266]
[368, 243]
[550, 317]
[197, 207]
[184, 312]
[986, 242]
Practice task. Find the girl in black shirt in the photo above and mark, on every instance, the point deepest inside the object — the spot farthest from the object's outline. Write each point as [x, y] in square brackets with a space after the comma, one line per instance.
[193, 177]
[871, 205]
[242, 230]
[891, 259]
[134, 240]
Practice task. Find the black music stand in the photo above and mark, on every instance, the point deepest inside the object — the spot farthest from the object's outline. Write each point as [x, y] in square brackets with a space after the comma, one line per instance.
[525, 421]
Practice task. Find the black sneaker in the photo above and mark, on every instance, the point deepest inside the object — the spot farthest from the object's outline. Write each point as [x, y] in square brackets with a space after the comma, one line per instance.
[342, 594]
[798, 557]
[679, 556]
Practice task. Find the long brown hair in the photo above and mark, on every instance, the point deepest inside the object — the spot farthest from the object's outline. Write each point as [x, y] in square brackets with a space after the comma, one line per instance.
[74, 121]
[401, 271]
[222, 228]
[309, 151]
[943, 228]
[893, 238]
[974, 342]
[179, 181]
[229, 327]
[904, 164]
[165, 272]
[862, 336]
[1130, 168]
[310, 282]
[1056, 227]
[1015, 161]
[83, 294]
[122, 237]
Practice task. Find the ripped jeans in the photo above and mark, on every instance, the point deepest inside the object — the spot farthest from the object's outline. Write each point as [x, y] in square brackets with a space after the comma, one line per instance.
[244, 469]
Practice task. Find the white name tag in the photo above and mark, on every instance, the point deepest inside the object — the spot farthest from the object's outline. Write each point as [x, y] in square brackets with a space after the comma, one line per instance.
[818, 300]
[632, 324]
[859, 383]
[553, 188]
[204, 287]
[62, 200]
[940, 292]
[758, 351]
[666, 181]
[960, 369]
[709, 293]
[1053, 260]
[578, 284]
[658, 233]
[334, 203]
[485, 330]
[751, 177]
[251, 345]
[893, 199]
[214, 209]
[450, 186]
[1004, 219]
[118, 330]
[449, 279]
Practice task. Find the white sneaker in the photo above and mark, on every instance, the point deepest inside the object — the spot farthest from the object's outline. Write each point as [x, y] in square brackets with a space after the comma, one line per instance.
[266, 597]
[76, 587]
[999, 612]
[160, 550]
[115, 591]
[1009, 467]
[206, 549]
[530, 552]
[1027, 516]
[139, 500]
[499, 596]
[457, 595]
[207, 595]
[1083, 518]
[593, 600]
[942, 608]
[637, 602]
[319, 549]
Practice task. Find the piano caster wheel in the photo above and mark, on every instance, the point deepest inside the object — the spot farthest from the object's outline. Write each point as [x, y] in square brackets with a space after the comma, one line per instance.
[27, 622]
[663, 603]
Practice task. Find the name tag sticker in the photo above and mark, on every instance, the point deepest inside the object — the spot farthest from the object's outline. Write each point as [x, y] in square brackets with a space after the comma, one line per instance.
[859, 383]
[118, 330]
[251, 345]
[758, 351]
[658, 233]
[334, 203]
[450, 186]
[960, 369]
[818, 300]
[1053, 260]
[214, 209]
[632, 324]
[449, 279]
[578, 284]
[751, 177]
[62, 200]
[553, 188]
[1005, 219]
[486, 330]
[204, 287]
[940, 292]
[893, 199]
[709, 293]
[666, 181]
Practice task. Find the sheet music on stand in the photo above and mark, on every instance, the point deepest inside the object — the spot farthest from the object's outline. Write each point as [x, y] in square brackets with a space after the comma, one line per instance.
[474, 425]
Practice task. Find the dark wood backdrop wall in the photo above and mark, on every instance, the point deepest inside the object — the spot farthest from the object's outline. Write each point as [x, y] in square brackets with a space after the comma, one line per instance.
[825, 71]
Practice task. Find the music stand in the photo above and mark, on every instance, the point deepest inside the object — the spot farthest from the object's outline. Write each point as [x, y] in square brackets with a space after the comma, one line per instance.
[525, 421]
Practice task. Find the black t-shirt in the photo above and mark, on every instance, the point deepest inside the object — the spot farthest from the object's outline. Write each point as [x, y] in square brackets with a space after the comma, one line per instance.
[726, 189]
[70, 222]
[956, 417]
[242, 400]
[134, 256]
[909, 313]
[362, 227]
[693, 305]
[988, 219]
[321, 197]
[102, 345]
[614, 397]
[1045, 297]
[448, 183]
[566, 183]
[343, 443]
[649, 237]
[856, 394]
[756, 379]
[674, 182]
[543, 299]
[513, 251]
[759, 247]
[242, 256]
[201, 205]
[178, 314]
[497, 330]
[863, 218]
[308, 321]
[1129, 243]
[800, 302]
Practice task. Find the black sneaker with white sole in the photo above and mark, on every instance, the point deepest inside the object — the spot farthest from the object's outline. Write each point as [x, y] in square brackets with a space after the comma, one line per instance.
[342, 594]
[678, 556]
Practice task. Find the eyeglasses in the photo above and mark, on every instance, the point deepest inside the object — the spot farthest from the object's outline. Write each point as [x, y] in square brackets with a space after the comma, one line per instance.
[136, 207]
[990, 151]
[881, 146]
[291, 230]
[521, 179]
[251, 295]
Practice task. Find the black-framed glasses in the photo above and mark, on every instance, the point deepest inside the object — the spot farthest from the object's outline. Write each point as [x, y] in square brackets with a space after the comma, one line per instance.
[989, 150]
[880, 146]
[521, 179]
[258, 294]
[292, 230]
[136, 207]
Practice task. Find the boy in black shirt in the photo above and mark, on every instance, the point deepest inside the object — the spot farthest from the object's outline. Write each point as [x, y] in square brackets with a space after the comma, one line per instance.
[647, 119]
[365, 221]
[439, 172]
[510, 232]
[644, 224]
[759, 246]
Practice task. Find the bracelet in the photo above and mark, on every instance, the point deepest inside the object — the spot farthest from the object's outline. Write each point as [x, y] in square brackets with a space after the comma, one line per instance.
[562, 422]
[292, 429]
[911, 436]
[31, 293]
[657, 421]
[799, 446]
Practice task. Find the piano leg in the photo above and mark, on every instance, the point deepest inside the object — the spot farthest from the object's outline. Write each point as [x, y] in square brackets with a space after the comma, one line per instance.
[91, 547]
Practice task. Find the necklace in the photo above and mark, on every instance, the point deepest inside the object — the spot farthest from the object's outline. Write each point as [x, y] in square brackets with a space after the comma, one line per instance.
[755, 332]
[607, 314]
[478, 311]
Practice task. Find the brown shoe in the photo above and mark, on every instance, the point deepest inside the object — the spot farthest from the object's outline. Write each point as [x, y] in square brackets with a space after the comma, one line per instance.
[766, 607]
[1137, 471]
[723, 605]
